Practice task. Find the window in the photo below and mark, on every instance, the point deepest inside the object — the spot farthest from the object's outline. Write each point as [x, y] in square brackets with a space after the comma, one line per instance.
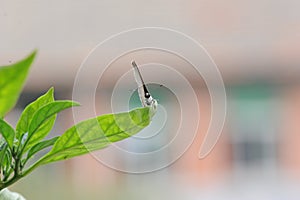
[253, 119]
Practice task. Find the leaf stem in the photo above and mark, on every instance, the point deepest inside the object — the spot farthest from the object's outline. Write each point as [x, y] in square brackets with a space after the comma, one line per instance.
[11, 181]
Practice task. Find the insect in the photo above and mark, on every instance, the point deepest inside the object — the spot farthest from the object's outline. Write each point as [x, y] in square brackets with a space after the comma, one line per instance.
[144, 94]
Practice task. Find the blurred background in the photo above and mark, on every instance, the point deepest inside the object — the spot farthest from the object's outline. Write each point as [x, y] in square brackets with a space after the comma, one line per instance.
[256, 46]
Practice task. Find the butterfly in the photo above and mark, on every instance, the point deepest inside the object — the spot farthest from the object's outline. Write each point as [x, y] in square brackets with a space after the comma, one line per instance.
[146, 99]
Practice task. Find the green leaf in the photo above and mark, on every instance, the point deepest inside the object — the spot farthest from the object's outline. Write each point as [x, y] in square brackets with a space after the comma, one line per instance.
[12, 78]
[40, 146]
[41, 132]
[3, 148]
[7, 132]
[47, 111]
[27, 114]
[97, 133]
[41, 118]
[6, 165]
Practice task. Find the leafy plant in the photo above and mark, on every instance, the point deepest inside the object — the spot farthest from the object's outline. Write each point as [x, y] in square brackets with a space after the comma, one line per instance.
[20, 144]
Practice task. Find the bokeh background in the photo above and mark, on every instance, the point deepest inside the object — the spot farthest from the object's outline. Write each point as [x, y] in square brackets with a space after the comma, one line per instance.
[256, 46]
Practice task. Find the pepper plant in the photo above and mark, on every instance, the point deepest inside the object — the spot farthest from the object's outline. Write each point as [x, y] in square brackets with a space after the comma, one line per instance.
[18, 145]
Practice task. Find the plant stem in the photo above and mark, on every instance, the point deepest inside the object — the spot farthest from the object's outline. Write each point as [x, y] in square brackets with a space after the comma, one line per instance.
[11, 181]
[16, 169]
